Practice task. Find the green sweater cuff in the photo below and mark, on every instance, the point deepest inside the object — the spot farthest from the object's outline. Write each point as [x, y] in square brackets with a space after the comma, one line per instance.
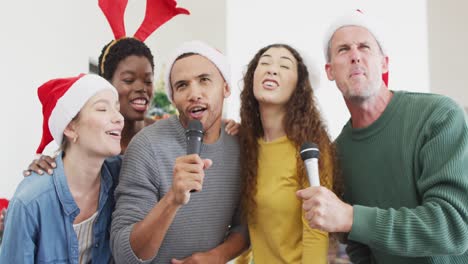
[364, 219]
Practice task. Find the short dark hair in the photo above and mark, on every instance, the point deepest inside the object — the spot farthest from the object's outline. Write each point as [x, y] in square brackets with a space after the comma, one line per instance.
[120, 50]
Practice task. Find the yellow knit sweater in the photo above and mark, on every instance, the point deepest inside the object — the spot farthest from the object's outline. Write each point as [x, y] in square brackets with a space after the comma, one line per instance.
[278, 230]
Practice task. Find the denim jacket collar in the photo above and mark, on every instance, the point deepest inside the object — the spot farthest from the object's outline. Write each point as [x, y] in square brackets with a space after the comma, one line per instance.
[63, 191]
[106, 185]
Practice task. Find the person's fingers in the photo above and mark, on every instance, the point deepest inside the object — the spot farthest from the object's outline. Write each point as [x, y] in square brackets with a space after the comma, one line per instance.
[44, 165]
[194, 185]
[234, 131]
[35, 167]
[192, 159]
[207, 163]
[231, 128]
[50, 161]
[188, 164]
[307, 205]
[306, 193]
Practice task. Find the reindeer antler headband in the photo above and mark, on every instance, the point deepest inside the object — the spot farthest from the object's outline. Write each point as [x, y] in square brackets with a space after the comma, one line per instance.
[157, 13]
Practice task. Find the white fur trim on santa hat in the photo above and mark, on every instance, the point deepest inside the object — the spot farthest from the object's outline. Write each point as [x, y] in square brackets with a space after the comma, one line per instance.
[203, 49]
[73, 100]
[355, 18]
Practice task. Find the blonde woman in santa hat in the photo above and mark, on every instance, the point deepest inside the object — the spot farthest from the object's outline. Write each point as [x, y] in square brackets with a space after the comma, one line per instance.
[279, 114]
[65, 218]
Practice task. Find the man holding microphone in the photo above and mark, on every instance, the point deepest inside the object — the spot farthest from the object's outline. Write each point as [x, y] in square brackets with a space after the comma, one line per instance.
[404, 161]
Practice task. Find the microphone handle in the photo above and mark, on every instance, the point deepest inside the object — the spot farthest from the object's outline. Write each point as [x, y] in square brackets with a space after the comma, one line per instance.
[312, 171]
[193, 145]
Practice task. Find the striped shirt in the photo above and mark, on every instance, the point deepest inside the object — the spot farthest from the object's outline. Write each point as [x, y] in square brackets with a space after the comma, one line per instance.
[146, 176]
[84, 233]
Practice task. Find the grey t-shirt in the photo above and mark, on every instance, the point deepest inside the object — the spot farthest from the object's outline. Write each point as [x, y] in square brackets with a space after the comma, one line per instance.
[146, 176]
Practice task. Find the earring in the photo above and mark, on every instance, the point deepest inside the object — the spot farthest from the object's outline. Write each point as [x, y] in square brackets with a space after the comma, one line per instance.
[75, 139]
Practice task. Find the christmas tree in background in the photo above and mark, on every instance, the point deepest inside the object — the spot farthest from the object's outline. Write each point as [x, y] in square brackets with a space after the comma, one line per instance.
[161, 107]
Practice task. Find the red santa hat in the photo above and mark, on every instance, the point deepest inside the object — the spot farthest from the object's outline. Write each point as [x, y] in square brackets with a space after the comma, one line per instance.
[3, 204]
[203, 49]
[61, 101]
[356, 18]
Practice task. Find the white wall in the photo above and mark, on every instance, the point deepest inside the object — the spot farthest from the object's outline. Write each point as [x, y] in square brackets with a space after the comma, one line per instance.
[206, 22]
[55, 38]
[252, 24]
[40, 40]
[448, 42]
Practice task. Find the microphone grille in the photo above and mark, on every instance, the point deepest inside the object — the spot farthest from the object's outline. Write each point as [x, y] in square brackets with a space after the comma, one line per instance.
[195, 128]
[309, 150]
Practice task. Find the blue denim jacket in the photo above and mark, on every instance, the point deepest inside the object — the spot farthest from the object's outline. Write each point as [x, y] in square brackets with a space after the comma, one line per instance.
[39, 220]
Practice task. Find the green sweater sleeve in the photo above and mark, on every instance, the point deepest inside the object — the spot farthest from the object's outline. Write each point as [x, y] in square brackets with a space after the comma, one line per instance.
[439, 226]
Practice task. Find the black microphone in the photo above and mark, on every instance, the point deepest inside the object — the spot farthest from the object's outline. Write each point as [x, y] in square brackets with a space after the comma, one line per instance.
[194, 137]
[310, 154]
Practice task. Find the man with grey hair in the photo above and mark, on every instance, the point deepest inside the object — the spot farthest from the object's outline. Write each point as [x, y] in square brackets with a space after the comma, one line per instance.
[404, 159]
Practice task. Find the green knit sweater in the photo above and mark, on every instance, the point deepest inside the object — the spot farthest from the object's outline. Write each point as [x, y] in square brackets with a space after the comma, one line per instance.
[406, 176]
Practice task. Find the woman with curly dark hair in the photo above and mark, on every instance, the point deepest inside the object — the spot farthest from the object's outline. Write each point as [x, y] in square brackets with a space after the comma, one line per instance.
[279, 114]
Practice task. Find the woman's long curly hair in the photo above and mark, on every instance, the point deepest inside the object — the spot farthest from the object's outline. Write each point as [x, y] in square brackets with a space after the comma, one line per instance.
[302, 123]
